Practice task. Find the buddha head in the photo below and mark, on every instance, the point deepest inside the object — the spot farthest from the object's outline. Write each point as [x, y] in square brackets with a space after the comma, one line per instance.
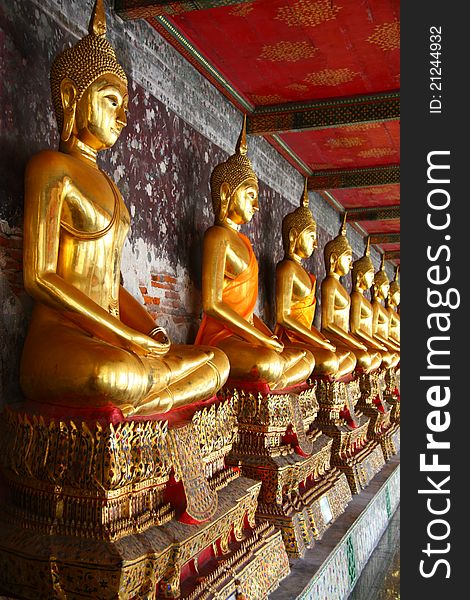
[381, 282]
[338, 252]
[394, 292]
[89, 88]
[299, 230]
[234, 186]
[363, 270]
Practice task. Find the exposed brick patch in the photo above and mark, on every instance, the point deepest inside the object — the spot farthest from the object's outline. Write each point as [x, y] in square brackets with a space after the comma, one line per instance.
[162, 286]
[172, 295]
[163, 299]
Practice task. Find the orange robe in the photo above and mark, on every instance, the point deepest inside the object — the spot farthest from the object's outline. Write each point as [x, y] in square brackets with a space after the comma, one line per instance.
[240, 293]
[303, 312]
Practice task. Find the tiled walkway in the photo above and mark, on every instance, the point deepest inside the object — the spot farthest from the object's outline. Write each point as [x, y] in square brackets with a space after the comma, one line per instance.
[380, 579]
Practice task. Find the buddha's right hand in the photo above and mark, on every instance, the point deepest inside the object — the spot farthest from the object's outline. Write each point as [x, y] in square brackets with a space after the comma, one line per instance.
[145, 345]
[275, 344]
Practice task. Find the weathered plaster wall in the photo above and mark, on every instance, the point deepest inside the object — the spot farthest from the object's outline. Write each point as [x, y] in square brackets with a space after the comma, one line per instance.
[179, 128]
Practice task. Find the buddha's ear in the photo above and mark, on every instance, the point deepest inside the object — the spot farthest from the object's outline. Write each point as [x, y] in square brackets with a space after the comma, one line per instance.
[292, 239]
[359, 276]
[224, 200]
[333, 260]
[68, 95]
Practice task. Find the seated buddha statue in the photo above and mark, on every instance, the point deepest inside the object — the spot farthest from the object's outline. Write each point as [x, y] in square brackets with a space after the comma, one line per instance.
[295, 296]
[90, 344]
[230, 284]
[360, 318]
[336, 302]
[392, 303]
[381, 319]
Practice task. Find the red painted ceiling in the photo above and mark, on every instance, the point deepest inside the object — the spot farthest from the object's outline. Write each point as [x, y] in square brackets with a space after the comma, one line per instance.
[385, 195]
[363, 145]
[274, 52]
[278, 51]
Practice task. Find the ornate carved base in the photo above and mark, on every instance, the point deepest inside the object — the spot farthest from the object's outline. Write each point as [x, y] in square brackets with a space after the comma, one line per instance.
[390, 441]
[100, 509]
[382, 428]
[227, 555]
[392, 393]
[278, 445]
[341, 418]
[361, 468]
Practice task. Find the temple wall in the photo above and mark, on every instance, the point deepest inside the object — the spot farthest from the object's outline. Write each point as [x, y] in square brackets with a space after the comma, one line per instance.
[179, 128]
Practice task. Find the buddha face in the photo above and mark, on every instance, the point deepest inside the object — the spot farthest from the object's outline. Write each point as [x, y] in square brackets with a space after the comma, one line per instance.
[343, 263]
[368, 278]
[382, 290]
[306, 243]
[394, 298]
[101, 112]
[243, 202]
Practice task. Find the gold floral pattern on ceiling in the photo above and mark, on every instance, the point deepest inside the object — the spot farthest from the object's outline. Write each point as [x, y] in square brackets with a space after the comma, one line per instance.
[361, 127]
[344, 142]
[297, 87]
[269, 99]
[288, 51]
[389, 191]
[377, 152]
[331, 77]
[242, 10]
[306, 13]
[386, 36]
[324, 166]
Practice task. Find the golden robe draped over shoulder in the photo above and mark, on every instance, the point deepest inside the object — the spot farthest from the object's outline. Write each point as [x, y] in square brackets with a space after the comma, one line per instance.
[303, 312]
[240, 293]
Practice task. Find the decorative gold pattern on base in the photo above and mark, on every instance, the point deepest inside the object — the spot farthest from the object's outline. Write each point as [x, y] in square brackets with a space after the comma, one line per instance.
[352, 452]
[295, 487]
[35, 565]
[87, 514]
[104, 481]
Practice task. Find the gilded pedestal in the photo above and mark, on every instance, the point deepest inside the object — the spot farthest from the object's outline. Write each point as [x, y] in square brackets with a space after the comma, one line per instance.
[131, 509]
[352, 452]
[278, 445]
[373, 404]
[392, 396]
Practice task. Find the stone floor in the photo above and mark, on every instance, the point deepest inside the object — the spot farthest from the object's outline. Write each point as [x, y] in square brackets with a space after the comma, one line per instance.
[380, 578]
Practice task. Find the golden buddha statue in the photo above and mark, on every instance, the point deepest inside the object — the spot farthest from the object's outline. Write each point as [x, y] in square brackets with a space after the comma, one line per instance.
[360, 318]
[295, 296]
[230, 284]
[90, 344]
[381, 319]
[392, 303]
[336, 302]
